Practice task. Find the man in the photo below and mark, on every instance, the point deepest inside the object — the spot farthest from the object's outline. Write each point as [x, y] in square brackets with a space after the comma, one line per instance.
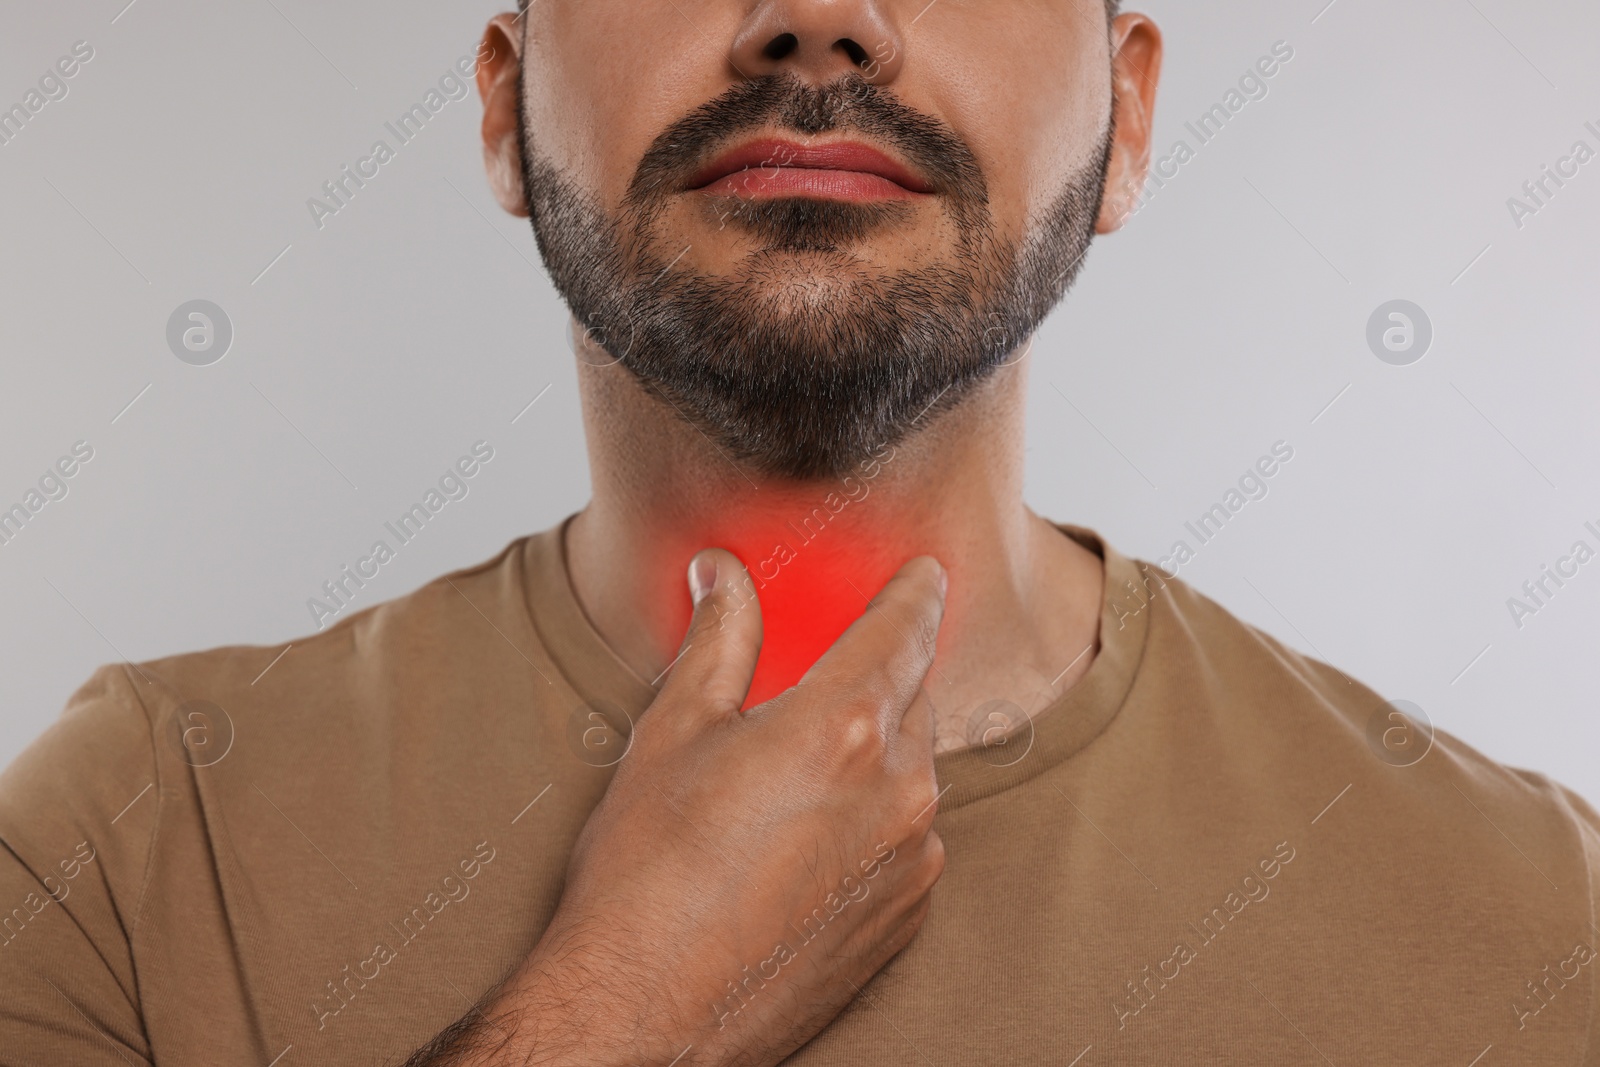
[902, 773]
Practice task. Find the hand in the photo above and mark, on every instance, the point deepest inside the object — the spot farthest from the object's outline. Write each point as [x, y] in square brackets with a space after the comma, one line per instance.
[746, 873]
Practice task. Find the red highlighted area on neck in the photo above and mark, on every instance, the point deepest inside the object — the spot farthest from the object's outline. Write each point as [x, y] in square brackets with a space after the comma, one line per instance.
[814, 565]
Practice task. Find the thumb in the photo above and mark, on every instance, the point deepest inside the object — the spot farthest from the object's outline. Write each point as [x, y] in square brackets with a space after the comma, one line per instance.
[713, 670]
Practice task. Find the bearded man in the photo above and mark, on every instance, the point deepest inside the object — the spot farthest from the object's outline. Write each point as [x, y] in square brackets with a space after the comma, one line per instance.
[806, 740]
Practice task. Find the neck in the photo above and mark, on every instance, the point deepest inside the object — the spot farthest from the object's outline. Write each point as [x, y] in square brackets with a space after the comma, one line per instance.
[1022, 611]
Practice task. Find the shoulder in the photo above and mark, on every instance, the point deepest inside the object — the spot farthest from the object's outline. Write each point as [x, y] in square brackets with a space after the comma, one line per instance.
[418, 628]
[143, 729]
[1425, 873]
[1282, 719]
[400, 648]
[190, 792]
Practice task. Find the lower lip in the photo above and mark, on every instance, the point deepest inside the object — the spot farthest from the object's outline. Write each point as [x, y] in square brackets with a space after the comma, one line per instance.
[772, 183]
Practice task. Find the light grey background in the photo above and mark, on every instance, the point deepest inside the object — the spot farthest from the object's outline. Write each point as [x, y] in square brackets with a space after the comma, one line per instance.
[1229, 315]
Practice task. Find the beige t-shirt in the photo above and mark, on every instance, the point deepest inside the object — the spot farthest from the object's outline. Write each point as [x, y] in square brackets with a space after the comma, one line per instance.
[1207, 852]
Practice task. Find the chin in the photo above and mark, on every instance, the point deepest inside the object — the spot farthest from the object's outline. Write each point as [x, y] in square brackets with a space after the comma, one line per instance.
[805, 289]
[803, 270]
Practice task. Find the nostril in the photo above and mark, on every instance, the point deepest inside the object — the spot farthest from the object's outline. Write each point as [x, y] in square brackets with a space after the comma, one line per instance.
[780, 46]
[857, 54]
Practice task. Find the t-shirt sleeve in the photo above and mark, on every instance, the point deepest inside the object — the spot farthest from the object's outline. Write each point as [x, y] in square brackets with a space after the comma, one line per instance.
[1588, 828]
[78, 812]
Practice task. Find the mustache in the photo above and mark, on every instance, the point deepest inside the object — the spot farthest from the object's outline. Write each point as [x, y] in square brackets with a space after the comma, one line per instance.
[784, 101]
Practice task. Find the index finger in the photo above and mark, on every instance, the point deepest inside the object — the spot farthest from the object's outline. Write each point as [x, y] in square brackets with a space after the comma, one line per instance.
[885, 654]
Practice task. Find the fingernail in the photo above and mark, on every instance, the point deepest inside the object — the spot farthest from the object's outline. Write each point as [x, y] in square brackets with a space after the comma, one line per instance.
[702, 577]
[944, 581]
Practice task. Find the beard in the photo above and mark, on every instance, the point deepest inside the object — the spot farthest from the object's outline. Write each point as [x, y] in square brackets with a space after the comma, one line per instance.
[806, 357]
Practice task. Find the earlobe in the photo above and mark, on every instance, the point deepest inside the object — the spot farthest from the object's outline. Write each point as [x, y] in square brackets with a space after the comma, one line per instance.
[1125, 177]
[499, 75]
[1135, 71]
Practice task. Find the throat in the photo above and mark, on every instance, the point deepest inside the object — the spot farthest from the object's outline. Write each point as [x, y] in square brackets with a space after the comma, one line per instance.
[816, 555]
[1022, 613]
[813, 579]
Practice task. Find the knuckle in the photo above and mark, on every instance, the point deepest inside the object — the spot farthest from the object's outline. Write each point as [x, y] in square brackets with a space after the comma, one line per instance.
[854, 739]
[873, 687]
[913, 798]
[934, 856]
[928, 868]
[877, 685]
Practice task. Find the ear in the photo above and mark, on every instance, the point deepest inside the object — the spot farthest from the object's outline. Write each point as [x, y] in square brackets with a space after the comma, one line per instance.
[499, 71]
[1135, 70]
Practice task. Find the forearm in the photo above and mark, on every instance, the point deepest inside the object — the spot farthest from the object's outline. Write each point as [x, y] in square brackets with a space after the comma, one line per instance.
[543, 1016]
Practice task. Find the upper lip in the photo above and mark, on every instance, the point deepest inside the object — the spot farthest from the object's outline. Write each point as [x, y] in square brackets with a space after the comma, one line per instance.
[770, 152]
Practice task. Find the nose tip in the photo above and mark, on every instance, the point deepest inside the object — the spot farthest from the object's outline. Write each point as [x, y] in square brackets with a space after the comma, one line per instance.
[819, 40]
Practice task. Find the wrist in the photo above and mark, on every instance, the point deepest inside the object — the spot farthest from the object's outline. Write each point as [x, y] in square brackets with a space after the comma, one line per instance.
[577, 1004]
